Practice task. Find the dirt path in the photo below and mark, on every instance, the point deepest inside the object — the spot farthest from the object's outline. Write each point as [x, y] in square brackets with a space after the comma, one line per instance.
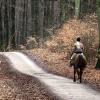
[62, 87]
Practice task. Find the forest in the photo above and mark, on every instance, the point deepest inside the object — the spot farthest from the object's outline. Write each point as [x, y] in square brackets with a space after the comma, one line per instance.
[20, 19]
[36, 45]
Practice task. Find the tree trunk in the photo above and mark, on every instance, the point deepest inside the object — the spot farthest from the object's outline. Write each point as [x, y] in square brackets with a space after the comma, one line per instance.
[41, 20]
[98, 14]
[77, 8]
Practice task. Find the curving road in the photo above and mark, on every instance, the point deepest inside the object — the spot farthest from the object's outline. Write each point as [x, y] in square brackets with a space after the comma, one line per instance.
[64, 88]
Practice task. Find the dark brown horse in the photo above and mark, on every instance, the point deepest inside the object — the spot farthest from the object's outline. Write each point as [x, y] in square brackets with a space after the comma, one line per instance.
[79, 66]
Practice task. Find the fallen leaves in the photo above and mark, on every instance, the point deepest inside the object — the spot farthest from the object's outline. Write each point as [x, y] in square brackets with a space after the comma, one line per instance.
[63, 40]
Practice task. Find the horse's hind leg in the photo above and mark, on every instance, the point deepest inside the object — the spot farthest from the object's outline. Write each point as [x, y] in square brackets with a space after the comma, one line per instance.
[74, 75]
[81, 72]
[78, 73]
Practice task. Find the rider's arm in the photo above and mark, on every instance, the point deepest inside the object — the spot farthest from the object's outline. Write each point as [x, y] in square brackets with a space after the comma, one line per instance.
[82, 46]
[73, 48]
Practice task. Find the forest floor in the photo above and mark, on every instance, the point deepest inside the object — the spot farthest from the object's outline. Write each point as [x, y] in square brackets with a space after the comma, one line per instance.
[17, 86]
[54, 63]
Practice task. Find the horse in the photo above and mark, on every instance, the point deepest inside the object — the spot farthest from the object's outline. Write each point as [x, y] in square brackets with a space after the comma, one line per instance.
[79, 66]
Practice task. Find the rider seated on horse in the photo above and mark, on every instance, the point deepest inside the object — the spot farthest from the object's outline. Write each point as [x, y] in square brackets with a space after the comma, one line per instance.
[78, 49]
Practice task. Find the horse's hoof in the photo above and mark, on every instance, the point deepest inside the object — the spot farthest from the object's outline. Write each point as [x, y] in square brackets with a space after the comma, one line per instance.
[80, 81]
[74, 80]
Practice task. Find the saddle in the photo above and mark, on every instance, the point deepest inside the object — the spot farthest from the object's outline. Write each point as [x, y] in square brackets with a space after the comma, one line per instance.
[77, 51]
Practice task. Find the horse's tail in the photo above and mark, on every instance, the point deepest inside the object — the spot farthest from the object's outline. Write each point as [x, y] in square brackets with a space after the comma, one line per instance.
[82, 60]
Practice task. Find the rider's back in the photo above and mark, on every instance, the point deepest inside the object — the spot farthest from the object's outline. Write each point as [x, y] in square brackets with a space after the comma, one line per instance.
[78, 47]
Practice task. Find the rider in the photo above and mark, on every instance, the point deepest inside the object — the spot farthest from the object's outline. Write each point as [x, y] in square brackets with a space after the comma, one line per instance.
[78, 48]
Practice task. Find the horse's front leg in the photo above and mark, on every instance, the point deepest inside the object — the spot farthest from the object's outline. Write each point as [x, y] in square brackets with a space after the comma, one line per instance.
[74, 75]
